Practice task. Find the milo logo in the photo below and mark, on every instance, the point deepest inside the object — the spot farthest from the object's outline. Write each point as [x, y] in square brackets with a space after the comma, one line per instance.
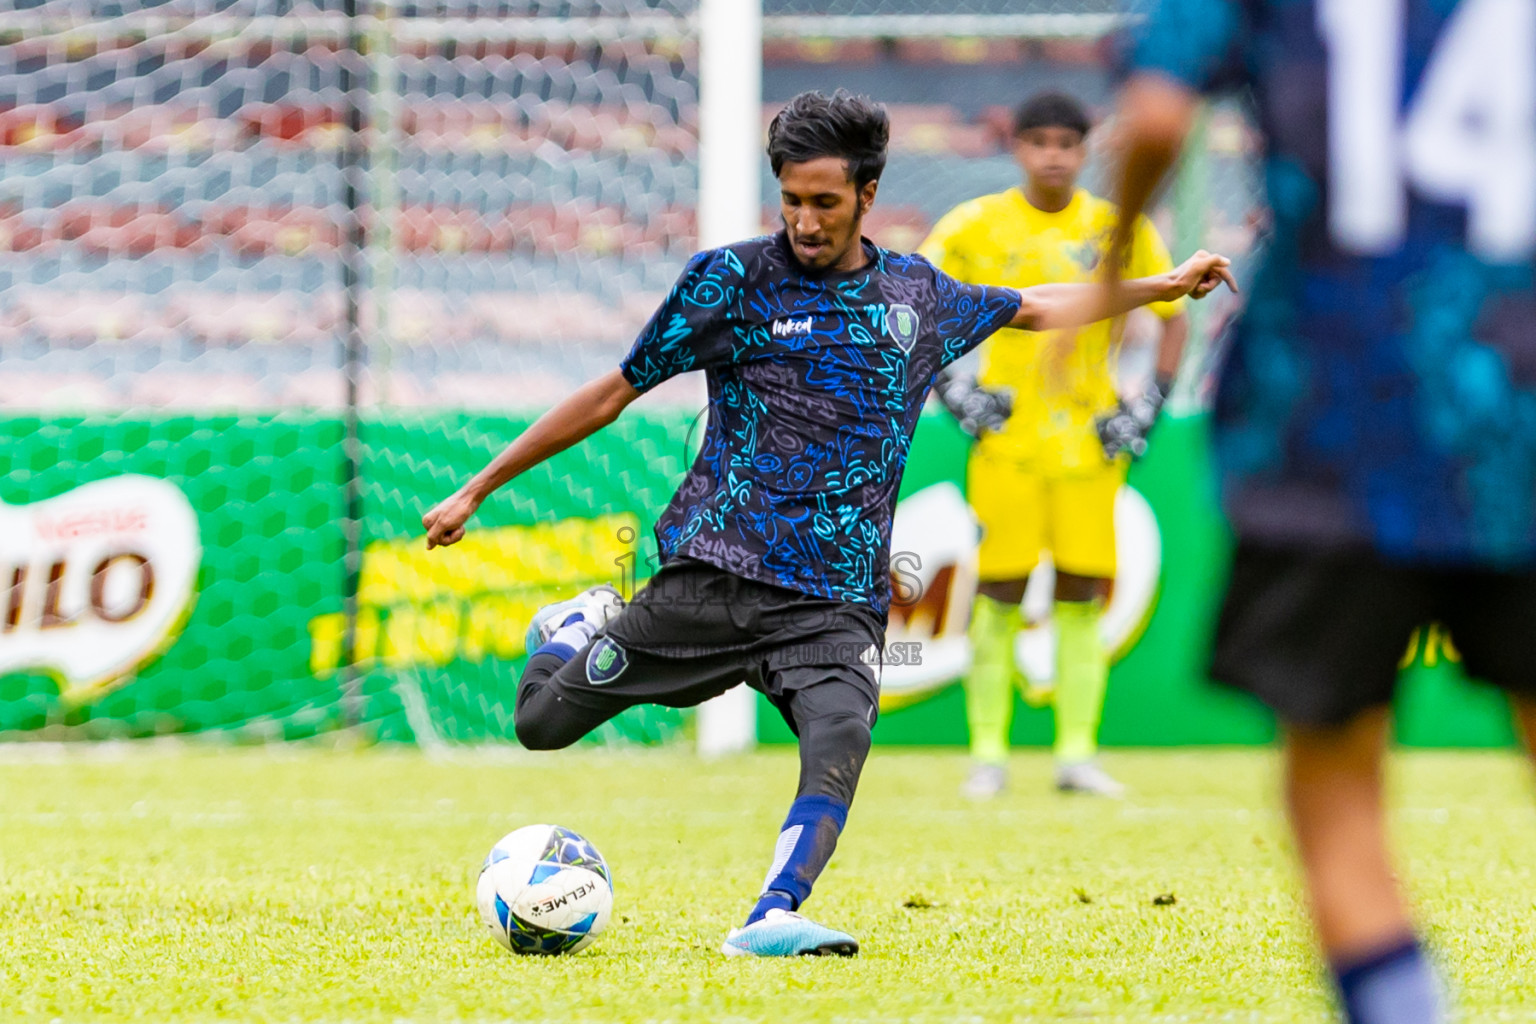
[96, 582]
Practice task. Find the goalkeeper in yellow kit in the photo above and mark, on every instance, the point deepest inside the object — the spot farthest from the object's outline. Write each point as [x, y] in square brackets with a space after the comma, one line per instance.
[1054, 440]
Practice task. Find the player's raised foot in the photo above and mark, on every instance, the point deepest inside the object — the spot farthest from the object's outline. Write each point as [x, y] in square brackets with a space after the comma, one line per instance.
[786, 933]
[1087, 777]
[985, 782]
[595, 606]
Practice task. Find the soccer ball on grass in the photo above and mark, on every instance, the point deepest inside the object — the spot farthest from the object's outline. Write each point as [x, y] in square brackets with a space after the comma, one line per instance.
[544, 889]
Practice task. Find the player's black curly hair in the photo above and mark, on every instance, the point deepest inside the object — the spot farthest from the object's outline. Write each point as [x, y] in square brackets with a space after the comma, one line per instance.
[813, 125]
[1051, 110]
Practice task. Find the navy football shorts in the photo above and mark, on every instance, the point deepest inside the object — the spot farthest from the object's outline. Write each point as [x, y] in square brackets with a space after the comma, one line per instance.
[1319, 636]
[695, 631]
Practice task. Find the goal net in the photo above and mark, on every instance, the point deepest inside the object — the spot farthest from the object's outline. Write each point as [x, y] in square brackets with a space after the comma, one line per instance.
[277, 275]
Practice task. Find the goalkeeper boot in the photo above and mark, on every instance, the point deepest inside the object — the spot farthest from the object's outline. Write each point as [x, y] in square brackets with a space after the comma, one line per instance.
[785, 933]
[592, 609]
[1087, 777]
[985, 781]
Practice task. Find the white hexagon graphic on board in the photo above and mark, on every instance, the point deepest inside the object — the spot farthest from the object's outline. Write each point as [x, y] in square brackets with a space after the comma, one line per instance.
[96, 582]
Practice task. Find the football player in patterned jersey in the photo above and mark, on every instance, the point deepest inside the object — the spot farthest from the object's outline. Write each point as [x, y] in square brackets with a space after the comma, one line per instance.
[819, 349]
[1374, 419]
[1053, 454]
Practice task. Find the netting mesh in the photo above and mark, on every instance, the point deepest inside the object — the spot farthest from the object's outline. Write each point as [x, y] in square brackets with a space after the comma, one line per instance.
[233, 233]
[183, 295]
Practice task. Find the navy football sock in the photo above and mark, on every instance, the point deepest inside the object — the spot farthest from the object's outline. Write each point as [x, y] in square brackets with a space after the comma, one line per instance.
[771, 900]
[1396, 986]
[571, 637]
[805, 845]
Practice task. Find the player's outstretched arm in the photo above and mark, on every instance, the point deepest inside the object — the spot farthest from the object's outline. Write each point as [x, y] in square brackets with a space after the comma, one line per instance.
[593, 406]
[1052, 306]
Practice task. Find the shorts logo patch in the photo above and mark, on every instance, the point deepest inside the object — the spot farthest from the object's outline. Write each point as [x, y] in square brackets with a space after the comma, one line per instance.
[901, 323]
[606, 661]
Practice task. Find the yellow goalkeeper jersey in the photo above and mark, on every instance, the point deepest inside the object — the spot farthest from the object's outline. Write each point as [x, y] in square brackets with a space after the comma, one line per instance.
[1059, 384]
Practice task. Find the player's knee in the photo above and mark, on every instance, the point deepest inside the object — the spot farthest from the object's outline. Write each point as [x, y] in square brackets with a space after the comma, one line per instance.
[539, 732]
[848, 732]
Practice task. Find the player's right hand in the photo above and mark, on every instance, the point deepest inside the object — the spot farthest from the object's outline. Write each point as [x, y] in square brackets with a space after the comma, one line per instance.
[977, 409]
[1201, 274]
[445, 521]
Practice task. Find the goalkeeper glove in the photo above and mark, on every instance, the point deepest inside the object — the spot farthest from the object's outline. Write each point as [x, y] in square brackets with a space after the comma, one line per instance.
[1126, 429]
[977, 410]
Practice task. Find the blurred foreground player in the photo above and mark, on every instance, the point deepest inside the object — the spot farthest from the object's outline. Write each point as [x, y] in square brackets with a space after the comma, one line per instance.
[1043, 475]
[1376, 418]
[819, 350]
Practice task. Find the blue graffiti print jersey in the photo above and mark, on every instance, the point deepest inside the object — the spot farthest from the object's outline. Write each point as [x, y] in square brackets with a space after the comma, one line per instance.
[1381, 386]
[815, 385]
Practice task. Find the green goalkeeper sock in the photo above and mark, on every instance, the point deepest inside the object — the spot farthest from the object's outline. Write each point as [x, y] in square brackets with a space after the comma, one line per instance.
[1082, 673]
[989, 684]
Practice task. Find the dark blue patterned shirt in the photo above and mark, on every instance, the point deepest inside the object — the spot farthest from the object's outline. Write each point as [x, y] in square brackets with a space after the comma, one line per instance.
[815, 385]
[1381, 388]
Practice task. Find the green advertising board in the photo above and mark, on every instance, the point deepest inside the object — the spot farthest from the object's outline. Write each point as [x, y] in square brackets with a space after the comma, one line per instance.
[254, 644]
[188, 574]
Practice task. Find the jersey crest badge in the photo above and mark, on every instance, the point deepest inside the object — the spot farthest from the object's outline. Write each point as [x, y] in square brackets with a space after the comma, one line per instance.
[606, 661]
[901, 324]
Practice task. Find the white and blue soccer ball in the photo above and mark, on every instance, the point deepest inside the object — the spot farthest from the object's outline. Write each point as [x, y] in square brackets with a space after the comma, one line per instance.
[544, 889]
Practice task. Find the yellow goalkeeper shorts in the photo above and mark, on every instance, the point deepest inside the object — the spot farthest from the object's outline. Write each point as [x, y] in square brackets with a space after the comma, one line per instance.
[1023, 513]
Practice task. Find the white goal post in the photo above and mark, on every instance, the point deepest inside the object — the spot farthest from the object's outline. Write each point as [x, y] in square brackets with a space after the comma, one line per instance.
[730, 209]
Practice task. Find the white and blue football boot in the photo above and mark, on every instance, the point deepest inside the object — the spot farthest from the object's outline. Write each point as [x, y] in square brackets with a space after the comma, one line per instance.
[594, 607]
[786, 933]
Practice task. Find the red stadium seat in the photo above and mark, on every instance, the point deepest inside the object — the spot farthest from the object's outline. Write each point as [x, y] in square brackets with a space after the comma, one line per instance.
[19, 233]
[445, 230]
[922, 128]
[973, 50]
[822, 51]
[305, 124]
[282, 231]
[39, 127]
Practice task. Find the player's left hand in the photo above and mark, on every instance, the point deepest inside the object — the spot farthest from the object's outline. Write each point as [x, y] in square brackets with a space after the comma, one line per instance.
[445, 521]
[1127, 428]
[1200, 275]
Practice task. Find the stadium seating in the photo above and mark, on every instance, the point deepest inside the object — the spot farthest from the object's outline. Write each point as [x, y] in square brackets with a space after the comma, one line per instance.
[186, 201]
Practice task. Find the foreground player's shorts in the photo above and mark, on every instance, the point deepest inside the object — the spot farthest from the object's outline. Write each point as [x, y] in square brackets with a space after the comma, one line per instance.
[695, 631]
[1023, 513]
[1319, 636]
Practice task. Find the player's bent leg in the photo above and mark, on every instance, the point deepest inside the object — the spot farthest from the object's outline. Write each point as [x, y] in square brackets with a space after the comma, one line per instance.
[1334, 797]
[833, 720]
[542, 718]
[557, 634]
